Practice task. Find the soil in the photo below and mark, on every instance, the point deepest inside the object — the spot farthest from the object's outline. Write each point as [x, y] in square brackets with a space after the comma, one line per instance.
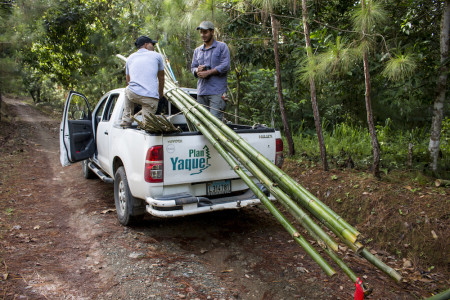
[60, 238]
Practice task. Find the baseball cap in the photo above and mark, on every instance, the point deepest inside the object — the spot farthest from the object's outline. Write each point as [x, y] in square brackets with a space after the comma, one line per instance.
[206, 25]
[140, 41]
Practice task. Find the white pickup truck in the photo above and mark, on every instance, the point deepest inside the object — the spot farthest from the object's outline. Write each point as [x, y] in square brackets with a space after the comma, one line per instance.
[167, 175]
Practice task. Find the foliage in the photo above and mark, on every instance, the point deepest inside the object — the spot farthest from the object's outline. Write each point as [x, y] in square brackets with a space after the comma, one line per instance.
[56, 45]
[346, 140]
[400, 67]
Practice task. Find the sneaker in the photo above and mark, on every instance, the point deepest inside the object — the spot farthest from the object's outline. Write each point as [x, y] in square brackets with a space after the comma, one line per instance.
[125, 124]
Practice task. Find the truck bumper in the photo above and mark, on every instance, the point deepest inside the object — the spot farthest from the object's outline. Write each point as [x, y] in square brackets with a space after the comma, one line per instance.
[184, 204]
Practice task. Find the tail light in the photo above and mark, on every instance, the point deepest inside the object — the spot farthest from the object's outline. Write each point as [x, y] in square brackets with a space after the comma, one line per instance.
[154, 164]
[279, 152]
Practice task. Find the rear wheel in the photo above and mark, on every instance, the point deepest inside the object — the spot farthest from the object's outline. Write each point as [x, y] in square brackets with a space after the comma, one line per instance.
[129, 209]
[87, 173]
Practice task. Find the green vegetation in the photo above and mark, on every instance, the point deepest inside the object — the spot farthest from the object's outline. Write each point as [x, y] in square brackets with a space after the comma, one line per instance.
[50, 47]
[346, 141]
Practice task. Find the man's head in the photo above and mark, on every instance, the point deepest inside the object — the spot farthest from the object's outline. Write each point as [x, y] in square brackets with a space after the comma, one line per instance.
[145, 42]
[206, 31]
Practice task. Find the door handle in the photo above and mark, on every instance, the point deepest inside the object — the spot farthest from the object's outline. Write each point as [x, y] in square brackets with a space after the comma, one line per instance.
[106, 132]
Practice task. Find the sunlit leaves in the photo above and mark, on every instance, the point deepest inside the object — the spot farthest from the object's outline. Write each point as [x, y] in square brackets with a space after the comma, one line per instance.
[400, 66]
[338, 58]
[368, 16]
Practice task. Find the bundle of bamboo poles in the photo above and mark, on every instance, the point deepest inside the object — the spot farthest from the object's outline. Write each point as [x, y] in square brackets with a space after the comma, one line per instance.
[300, 203]
[155, 124]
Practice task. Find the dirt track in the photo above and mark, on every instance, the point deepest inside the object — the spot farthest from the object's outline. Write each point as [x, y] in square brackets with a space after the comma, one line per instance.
[60, 240]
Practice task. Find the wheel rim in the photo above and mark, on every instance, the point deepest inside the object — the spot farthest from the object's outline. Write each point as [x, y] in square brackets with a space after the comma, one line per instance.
[122, 197]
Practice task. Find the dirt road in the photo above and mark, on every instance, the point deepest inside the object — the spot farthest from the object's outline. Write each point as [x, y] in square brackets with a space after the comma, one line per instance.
[60, 239]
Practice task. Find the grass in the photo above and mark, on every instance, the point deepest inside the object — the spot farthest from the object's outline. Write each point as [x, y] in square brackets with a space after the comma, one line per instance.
[344, 141]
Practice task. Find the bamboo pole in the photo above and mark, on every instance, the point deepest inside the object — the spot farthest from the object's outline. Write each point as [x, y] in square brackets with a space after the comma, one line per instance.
[305, 197]
[310, 204]
[445, 295]
[275, 212]
[380, 265]
[354, 246]
[313, 229]
[249, 165]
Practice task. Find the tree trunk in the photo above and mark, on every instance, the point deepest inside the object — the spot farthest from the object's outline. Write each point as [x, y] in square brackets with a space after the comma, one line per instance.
[372, 130]
[439, 102]
[312, 84]
[287, 130]
[188, 50]
[238, 96]
[0, 102]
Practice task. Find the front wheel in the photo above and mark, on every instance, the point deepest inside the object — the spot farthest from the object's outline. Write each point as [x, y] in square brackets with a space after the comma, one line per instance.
[129, 209]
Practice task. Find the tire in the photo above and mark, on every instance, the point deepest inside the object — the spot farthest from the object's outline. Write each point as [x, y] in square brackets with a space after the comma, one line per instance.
[87, 173]
[129, 209]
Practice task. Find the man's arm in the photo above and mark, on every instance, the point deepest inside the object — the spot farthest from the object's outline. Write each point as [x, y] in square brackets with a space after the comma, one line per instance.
[224, 64]
[161, 79]
[194, 65]
[222, 68]
[128, 79]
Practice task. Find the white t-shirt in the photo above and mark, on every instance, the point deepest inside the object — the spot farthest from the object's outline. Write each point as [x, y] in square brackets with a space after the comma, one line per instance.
[143, 67]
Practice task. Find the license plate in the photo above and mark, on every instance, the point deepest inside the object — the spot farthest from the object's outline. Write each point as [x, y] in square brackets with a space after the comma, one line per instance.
[218, 187]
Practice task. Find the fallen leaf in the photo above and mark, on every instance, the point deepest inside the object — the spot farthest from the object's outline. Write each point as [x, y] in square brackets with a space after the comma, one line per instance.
[227, 271]
[434, 235]
[36, 227]
[407, 263]
[108, 210]
[409, 188]
[5, 276]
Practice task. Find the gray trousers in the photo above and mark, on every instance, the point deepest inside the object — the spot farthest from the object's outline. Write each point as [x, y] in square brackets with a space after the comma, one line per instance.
[214, 103]
[149, 105]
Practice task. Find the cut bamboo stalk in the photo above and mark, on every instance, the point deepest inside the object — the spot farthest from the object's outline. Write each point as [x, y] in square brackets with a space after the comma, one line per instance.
[304, 196]
[381, 265]
[445, 295]
[250, 166]
[267, 203]
[356, 247]
[310, 204]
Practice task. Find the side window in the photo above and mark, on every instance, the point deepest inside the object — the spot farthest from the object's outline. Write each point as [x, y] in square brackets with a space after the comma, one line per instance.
[78, 109]
[99, 112]
[110, 107]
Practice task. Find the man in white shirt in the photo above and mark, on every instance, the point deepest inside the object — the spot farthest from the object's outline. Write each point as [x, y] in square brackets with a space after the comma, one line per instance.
[145, 80]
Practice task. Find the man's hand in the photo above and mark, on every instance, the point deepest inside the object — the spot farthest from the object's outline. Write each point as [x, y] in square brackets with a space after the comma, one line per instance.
[201, 68]
[206, 74]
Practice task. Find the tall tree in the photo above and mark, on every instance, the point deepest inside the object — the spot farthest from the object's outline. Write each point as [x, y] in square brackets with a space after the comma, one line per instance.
[312, 84]
[268, 8]
[439, 102]
[365, 20]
